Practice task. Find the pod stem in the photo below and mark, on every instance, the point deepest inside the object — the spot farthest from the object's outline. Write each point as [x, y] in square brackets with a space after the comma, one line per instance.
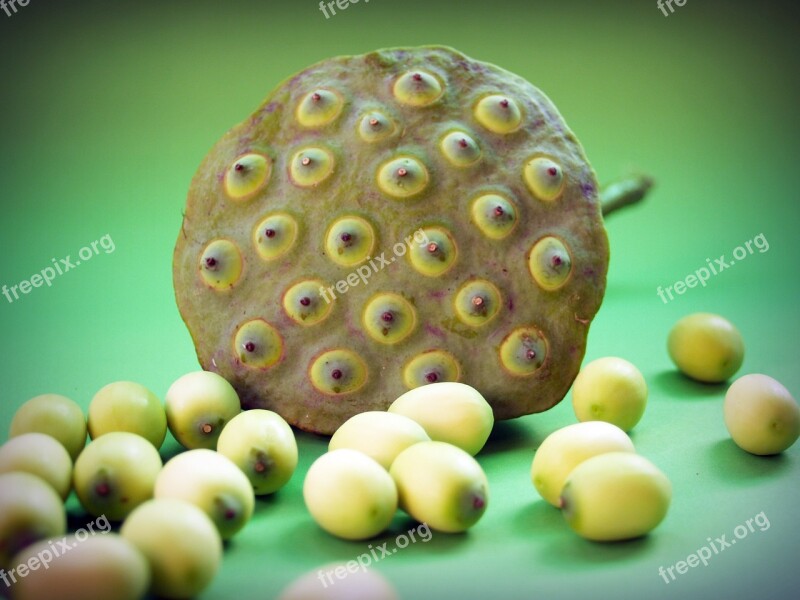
[624, 192]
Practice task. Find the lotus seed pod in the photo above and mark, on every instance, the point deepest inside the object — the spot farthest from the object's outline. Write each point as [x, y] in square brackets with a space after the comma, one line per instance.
[349, 494]
[101, 567]
[761, 415]
[247, 176]
[54, 415]
[449, 412]
[30, 510]
[379, 435]
[180, 544]
[566, 448]
[706, 347]
[417, 173]
[213, 483]
[615, 496]
[441, 485]
[40, 455]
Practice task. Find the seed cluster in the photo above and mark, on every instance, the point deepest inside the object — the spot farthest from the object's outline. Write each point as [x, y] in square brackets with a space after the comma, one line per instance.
[325, 177]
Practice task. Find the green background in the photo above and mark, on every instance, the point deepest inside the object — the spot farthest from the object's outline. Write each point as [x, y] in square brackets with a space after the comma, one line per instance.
[106, 109]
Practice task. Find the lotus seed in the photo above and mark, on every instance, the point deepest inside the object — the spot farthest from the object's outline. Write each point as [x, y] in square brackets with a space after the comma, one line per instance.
[498, 114]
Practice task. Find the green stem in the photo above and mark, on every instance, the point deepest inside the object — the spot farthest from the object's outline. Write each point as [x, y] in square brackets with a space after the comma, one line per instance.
[624, 192]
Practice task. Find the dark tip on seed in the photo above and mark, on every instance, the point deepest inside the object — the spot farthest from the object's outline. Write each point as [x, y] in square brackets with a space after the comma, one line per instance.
[478, 503]
[431, 377]
[387, 317]
[346, 237]
[556, 260]
[530, 354]
[416, 77]
[211, 262]
[230, 514]
[103, 489]
[249, 346]
[238, 167]
[463, 143]
[477, 301]
[498, 211]
[433, 247]
[259, 467]
[316, 97]
[504, 103]
[401, 172]
[305, 301]
[552, 171]
[374, 122]
[270, 233]
[336, 374]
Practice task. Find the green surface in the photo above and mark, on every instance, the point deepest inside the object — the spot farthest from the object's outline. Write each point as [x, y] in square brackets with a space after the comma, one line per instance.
[106, 109]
